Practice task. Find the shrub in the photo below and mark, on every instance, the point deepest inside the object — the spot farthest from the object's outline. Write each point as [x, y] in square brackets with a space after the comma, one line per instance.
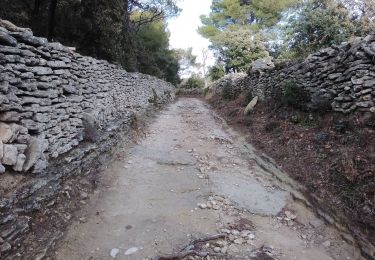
[193, 82]
[248, 96]
[272, 127]
[295, 96]
[228, 93]
[216, 72]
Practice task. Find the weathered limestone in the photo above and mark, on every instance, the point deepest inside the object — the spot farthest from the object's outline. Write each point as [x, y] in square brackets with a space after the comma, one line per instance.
[61, 113]
[251, 105]
[342, 76]
[9, 155]
[52, 99]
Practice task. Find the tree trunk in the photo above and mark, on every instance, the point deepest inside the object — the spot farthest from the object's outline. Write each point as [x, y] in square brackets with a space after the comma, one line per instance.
[126, 13]
[51, 19]
[36, 8]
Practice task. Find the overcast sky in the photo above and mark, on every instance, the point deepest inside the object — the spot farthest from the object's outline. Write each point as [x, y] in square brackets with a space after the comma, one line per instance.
[184, 27]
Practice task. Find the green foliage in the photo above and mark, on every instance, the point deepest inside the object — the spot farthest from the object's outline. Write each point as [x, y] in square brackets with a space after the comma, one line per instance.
[216, 72]
[154, 57]
[317, 24]
[237, 47]
[228, 93]
[194, 82]
[294, 95]
[233, 27]
[187, 60]
[248, 96]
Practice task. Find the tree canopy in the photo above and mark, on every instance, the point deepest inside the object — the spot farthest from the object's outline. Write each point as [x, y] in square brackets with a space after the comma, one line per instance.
[320, 23]
[234, 27]
[241, 31]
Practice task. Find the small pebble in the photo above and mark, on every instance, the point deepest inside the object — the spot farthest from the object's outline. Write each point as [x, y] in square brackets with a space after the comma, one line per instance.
[114, 252]
[239, 241]
[131, 251]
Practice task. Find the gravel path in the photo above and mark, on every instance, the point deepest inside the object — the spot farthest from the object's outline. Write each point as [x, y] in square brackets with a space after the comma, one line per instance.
[191, 177]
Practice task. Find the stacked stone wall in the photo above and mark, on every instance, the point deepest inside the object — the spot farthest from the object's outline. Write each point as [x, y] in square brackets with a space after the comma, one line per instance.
[52, 98]
[61, 115]
[343, 75]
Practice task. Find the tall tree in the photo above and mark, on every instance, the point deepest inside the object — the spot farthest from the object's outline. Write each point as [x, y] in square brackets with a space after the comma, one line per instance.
[319, 23]
[187, 61]
[155, 58]
[51, 18]
[148, 11]
[234, 29]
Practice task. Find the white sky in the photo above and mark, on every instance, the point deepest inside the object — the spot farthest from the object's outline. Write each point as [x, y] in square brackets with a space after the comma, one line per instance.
[184, 27]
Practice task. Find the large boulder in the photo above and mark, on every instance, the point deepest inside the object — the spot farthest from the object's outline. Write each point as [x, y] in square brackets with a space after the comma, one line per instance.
[262, 64]
[251, 106]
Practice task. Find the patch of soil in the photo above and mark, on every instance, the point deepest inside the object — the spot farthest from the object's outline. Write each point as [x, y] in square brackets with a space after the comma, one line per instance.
[331, 154]
[242, 224]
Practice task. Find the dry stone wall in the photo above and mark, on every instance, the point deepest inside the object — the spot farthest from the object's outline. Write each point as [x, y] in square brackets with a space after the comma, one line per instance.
[343, 75]
[52, 98]
[61, 115]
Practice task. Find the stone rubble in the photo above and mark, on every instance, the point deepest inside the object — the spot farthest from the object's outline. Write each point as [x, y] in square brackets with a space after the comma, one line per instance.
[245, 240]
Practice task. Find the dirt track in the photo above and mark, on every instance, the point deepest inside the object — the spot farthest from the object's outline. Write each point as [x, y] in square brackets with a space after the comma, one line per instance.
[190, 177]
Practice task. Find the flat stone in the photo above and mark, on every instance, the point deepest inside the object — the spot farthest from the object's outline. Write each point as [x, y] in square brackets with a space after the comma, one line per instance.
[6, 39]
[114, 252]
[224, 250]
[202, 205]
[6, 133]
[235, 232]
[327, 243]
[42, 70]
[262, 64]
[239, 241]
[233, 249]
[251, 236]
[290, 215]
[5, 247]
[1, 150]
[28, 38]
[84, 195]
[10, 155]
[131, 251]
[11, 27]
[21, 158]
[36, 147]
[2, 169]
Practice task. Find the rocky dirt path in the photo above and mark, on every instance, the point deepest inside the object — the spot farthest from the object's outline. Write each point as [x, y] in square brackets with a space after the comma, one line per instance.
[192, 177]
